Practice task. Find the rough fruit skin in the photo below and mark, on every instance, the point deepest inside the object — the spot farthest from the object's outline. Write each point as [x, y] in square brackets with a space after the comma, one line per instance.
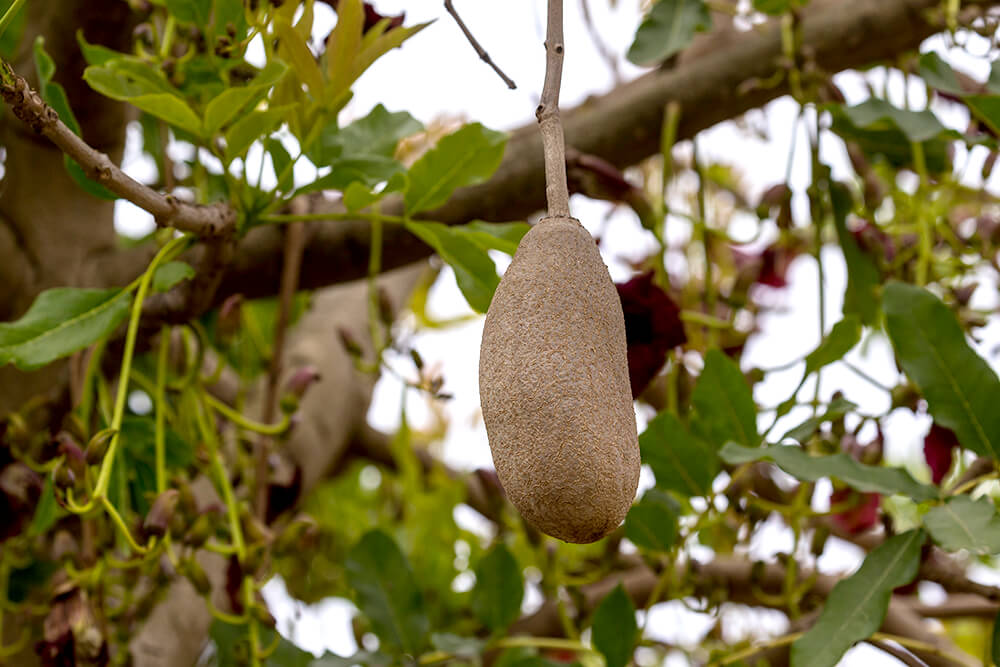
[554, 386]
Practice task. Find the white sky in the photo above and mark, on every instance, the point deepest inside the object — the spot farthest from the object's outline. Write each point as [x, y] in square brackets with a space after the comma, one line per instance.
[436, 74]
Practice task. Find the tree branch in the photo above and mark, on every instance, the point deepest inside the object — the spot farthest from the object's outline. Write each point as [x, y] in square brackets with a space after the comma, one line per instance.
[216, 220]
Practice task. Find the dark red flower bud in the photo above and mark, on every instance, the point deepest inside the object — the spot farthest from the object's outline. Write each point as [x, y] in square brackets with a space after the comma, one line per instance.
[939, 446]
[861, 515]
[652, 327]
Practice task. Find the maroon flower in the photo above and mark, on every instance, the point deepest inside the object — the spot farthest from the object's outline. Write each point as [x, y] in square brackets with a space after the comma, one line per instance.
[861, 515]
[372, 16]
[939, 445]
[652, 327]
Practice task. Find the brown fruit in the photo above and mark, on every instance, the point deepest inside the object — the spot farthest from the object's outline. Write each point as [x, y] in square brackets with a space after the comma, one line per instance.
[554, 386]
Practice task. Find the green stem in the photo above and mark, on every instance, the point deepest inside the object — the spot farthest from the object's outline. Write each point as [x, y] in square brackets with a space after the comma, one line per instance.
[314, 217]
[169, 250]
[159, 441]
[923, 216]
[222, 479]
[243, 422]
[701, 228]
[374, 268]
[89, 379]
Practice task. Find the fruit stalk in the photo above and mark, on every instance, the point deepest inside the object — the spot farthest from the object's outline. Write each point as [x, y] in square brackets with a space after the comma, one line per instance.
[547, 113]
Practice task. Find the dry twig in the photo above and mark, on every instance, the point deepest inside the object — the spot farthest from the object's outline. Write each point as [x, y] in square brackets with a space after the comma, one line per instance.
[480, 51]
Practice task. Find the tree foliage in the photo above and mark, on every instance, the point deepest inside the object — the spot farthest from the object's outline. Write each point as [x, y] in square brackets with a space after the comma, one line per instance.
[143, 476]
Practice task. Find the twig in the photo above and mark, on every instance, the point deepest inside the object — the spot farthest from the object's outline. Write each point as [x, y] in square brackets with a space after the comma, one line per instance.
[957, 605]
[904, 657]
[217, 220]
[291, 268]
[553, 143]
[483, 55]
[606, 54]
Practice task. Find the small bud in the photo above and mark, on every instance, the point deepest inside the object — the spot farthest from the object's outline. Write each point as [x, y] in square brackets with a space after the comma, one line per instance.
[230, 318]
[194, 572]
[202, 529]
[143, 33]
[988, 165]
[818, 543]
[302, 529]
[62, 477]
[98, 446]
[349, 342]
[161, 513]
[296, 387]
[418, 361]
[72, 453]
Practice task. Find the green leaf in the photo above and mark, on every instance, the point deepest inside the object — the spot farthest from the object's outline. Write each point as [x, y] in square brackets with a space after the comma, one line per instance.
[857, 605]
[862, 275]
[959, 386]
[475, 272]
[800, 465]
[614, 628]
[496, 599]
[387, 593]
[378, 133]
[191, 11]
[884, 130]
[95, 54]
[123, 78]
[844, 335]
[252, 126]
[11, 36]
[46, 512]
[502, 236]
[986, 108]
[281, 161]
[837, 408]
[225, 106]
[652, 522]
[169, 108]
[137, 465]
[144, 87]
[964, 523]
[357, 195]
[61, 321]
[680, 461]
[466, 157]
[938, 74]
[667, 29]
[230, 13]
[723, 403]
[369, 170]
[169, 274]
